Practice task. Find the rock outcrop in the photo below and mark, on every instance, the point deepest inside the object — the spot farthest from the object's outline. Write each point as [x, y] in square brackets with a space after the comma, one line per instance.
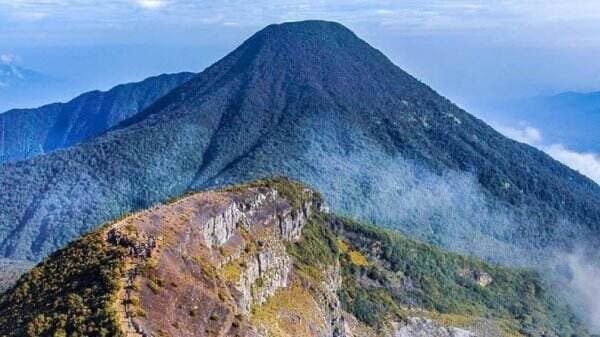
[331, 285]
[264, 273]
[220, 255]
[421, 327]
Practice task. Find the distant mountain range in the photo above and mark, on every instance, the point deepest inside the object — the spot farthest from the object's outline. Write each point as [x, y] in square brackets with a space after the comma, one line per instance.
[312, 101]
[12, 76]
[19, 84]
[28, 132]
[569, 118]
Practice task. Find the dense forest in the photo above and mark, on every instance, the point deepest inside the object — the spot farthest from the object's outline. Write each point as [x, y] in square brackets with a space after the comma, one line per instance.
[338, 115]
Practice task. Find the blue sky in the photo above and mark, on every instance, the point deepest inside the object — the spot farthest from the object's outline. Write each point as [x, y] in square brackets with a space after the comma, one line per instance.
[471, 51]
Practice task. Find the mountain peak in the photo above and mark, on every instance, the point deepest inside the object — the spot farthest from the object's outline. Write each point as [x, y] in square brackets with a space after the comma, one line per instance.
[306, 44]
[323, 30]
[322, 42]
[313, 62]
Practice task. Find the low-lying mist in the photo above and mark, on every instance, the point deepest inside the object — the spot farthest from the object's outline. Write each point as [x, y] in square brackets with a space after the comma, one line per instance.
[577, 274]
[453, 211]
[450, 208]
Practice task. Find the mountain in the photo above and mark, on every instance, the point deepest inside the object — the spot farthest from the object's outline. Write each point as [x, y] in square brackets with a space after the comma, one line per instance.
[25, 133]
[19, 84]
[14, 76]
[312, 101]
[569, 118]
[265, 259]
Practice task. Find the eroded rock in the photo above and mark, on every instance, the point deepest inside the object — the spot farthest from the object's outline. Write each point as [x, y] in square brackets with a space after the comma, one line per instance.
[422, 327]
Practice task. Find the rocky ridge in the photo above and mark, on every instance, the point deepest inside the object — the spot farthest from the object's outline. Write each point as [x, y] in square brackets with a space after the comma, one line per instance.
[421, 327]
[265, 259]
[225, 251]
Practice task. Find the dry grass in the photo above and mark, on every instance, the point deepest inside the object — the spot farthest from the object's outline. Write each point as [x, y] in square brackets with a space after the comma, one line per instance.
[290, 312]
[358, 259]
[232, 271]
[342, 246]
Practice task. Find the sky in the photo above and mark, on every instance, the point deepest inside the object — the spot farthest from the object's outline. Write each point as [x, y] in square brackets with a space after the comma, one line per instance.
[476, 53]
[471, 51]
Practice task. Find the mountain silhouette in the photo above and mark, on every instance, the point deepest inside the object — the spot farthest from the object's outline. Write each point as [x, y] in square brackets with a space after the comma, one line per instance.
[25, 133]
[312, 101]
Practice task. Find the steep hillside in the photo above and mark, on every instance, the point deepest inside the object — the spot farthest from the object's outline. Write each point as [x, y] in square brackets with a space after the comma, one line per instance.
[312, 101]
[28, 132]
[265, 260]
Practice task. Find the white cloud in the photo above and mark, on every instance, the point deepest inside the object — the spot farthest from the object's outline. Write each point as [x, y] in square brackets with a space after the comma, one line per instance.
[29, 16]
[384, 12]
[7, 58]
[429, 13]
[151, 4]
[587, 164]
[533, 21]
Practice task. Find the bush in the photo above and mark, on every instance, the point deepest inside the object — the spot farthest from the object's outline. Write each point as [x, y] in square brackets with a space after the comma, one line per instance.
[70, 293]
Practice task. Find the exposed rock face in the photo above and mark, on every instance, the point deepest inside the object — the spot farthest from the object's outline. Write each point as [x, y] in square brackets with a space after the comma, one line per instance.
[266, 272]
[220, 254]
[332, 284]
[222, 227]
[482, 278]
[421, 327]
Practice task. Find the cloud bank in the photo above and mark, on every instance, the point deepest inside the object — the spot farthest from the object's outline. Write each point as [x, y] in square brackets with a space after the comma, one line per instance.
[583, 288]
[410, 15]
[587, 164]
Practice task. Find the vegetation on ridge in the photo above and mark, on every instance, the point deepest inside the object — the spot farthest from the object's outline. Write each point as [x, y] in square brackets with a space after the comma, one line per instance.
[71, 293]
[388, 277]
[385, 277]
[59, 125]
[336, 114]
[292, 190]
[409, 274]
